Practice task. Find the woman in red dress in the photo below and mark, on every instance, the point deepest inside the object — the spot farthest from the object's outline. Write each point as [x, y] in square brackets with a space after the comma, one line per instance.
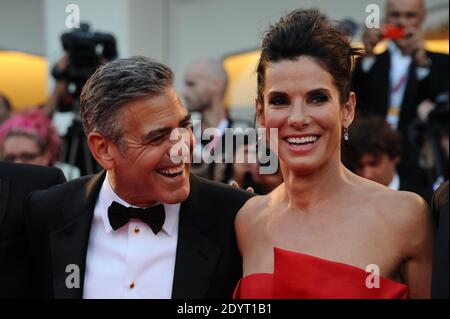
[325, 232]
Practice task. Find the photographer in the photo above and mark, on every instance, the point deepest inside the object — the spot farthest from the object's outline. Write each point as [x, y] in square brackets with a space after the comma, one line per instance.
[59, 91]
[84, 52]
[392, 84]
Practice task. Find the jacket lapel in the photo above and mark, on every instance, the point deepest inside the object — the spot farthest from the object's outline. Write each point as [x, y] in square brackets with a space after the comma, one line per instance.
[408, 98]
[197, 256]
[69, 244]
[4, 194]
[383, 85]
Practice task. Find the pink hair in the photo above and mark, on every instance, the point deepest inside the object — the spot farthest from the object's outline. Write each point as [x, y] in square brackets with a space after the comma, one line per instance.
[37, 125]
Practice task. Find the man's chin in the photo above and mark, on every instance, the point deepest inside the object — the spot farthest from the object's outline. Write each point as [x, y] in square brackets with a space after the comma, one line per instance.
[177, 196]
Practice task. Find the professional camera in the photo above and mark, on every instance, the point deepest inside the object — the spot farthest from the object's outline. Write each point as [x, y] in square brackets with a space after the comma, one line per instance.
[86, 51]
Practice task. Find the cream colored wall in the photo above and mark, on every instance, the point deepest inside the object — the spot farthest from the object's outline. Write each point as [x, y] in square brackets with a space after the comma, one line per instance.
[173, 31]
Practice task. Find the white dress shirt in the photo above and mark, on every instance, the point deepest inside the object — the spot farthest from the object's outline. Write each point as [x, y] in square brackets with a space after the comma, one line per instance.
[131, 262]
[395, 183]
[398, 80]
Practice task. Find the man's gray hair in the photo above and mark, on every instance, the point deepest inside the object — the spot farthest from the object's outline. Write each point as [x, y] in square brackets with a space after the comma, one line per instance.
[115, 84]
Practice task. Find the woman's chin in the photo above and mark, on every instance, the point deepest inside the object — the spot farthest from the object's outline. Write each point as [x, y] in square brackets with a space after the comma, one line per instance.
[299, 164]
[302, 167]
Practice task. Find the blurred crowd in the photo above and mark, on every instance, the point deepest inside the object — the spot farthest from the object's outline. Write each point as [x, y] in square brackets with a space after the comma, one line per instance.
[399, 139]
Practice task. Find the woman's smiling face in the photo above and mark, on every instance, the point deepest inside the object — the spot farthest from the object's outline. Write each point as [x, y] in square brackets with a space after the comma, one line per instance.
[301, 101]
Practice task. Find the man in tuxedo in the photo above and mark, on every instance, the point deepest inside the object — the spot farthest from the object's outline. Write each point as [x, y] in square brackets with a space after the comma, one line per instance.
[392, 84]
[144, 227]
[16, 182]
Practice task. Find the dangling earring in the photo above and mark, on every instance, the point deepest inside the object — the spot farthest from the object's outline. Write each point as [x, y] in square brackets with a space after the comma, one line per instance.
[261, 138]
[346, 137]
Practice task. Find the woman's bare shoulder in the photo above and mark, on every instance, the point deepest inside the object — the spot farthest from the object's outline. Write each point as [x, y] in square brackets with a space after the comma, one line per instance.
[249, 225]
[398, 207]
[252, 215]
[253, 209]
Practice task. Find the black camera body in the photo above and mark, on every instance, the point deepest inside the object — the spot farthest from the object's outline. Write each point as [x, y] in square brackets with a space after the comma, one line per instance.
[86, 51]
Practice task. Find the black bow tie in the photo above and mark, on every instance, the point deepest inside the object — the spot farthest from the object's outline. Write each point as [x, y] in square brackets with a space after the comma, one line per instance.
[120, 215]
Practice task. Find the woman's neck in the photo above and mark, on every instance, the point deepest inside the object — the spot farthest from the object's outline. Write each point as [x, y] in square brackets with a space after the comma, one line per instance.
[305, 190]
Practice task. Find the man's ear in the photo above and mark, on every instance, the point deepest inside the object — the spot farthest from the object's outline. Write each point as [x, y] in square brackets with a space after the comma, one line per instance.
[348, 111]
[101, 150]
[260, 113]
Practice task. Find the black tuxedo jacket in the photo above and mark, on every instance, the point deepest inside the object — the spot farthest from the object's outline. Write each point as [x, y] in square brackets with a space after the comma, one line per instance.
[208, 263]
[372, 89]
[16, 182]
[440, 281]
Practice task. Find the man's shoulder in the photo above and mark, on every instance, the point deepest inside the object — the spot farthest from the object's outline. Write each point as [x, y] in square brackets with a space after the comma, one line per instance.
[215, 200]
[213, 204]
[46, 205]
[218, 191]
[58, 194]
[29, 173]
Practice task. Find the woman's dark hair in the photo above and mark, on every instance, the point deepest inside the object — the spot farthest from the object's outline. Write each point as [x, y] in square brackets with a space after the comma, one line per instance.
[309, 33]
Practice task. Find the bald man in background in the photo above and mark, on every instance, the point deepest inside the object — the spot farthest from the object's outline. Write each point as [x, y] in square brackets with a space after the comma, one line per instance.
[205, 86]
[393, 84]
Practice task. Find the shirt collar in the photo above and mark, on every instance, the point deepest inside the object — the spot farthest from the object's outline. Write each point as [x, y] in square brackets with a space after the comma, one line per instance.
[395, 183]
[107, 196]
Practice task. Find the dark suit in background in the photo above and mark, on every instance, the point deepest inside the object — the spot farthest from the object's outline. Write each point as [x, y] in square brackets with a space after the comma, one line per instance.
[424, 191]
[372, 90]
[440, 283]
[208, 263]
[16, 182]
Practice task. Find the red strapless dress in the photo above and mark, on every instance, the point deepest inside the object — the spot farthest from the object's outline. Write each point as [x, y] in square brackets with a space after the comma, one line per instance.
[301, 276]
